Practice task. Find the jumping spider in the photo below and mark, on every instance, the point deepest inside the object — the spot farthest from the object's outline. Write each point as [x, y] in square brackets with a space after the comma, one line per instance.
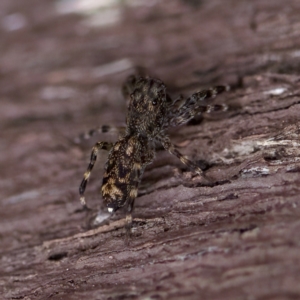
[151, 111]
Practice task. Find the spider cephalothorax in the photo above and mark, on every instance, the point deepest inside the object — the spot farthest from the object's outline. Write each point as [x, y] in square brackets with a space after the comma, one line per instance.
[147, 108]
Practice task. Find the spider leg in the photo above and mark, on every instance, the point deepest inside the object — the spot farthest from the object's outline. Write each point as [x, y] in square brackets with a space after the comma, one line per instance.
[98, 146]
[184, 110]
[129, 220]
[101, 129]
[130, 202]
[172, 149]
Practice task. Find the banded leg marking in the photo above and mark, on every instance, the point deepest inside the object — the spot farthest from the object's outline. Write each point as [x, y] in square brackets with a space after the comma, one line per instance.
[103, 129]
[187, 109]
[128, 224]
[98, 146]
[171, 148]
[130, 205]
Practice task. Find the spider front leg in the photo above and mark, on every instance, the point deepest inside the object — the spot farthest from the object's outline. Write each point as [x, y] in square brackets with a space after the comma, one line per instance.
[102, 129]
[98, 146]
[171, 148]
[183, 110]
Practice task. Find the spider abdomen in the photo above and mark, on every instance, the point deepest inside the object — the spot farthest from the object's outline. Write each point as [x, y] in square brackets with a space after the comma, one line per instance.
[123, 171]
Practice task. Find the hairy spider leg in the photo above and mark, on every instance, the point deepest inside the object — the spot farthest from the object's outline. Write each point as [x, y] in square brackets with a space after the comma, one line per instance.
[98, 146]
[130, 206]
[185, 110]
[102, 129]
[133, 191]
[200, 96]
[172, 149]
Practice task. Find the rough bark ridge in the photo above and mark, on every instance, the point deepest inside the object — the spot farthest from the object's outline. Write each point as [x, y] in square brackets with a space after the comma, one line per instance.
[236, 239]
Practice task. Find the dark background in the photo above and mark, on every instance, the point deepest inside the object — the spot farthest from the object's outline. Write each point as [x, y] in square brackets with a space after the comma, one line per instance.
[61, 74]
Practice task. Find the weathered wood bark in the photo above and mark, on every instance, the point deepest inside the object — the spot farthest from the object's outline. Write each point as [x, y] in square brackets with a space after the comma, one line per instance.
[238, 238]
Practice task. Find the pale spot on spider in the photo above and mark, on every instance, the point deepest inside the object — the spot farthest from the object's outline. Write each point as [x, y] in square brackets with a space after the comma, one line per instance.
[133, 193]
[136, 166]
[129, 150]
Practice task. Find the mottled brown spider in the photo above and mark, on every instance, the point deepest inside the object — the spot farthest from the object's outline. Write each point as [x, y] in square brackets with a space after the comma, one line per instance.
[151, 111]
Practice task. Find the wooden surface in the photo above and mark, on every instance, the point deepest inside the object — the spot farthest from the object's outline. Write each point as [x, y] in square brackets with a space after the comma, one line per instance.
[238, 238]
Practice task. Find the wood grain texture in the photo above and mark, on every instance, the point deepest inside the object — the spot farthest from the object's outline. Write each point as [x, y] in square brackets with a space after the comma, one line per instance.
[237, 238]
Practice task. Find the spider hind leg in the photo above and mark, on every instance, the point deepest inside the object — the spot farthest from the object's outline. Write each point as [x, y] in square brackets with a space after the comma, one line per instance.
[98, 146]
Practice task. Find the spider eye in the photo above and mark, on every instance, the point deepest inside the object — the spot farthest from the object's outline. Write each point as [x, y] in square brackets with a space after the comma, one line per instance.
[154, 102]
